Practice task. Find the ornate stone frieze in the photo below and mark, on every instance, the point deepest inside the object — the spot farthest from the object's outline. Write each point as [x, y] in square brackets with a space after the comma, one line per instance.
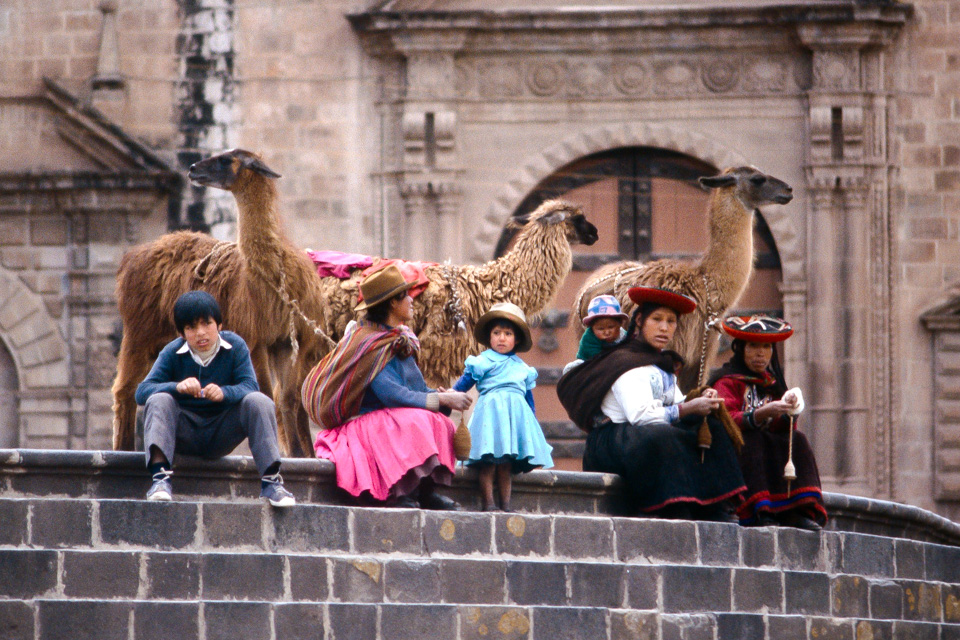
[836, 70]
[619, 77]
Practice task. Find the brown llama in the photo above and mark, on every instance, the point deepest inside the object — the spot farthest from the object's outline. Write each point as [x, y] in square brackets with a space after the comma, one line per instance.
[717, 280]
[262, 284]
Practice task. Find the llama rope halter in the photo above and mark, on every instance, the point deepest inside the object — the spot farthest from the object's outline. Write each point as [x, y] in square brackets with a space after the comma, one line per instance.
[210, 262]
[709, 323]
[453, 307]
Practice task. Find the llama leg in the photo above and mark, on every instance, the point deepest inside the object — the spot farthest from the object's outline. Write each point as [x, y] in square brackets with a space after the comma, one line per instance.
[133, 364]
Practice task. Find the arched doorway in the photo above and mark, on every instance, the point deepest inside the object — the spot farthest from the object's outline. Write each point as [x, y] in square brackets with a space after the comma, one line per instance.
[9, 416]
[646, 204]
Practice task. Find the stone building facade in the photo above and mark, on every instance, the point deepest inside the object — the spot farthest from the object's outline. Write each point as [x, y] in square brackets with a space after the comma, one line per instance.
[417, 128]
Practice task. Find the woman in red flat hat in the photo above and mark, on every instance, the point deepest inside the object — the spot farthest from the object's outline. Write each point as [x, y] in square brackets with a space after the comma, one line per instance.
[639, 425]
[752, 386]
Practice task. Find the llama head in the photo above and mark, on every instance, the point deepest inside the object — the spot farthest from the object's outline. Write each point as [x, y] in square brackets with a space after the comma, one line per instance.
[751, 186]
[224, 170]
[577, 228]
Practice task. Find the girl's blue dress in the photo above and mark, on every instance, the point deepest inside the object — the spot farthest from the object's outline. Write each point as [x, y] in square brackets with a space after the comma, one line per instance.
[503, 426]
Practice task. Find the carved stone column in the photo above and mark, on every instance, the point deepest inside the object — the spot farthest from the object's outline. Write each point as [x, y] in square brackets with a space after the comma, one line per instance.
[849, 250]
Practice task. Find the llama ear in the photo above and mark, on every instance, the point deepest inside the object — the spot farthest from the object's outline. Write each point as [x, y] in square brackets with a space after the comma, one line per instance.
[256, 164]
[555, 217]
[518, 222]
[715, 182]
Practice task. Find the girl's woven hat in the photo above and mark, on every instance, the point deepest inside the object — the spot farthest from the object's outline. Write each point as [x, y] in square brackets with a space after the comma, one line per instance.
[603, 307]
[505, 311]
[671, 299]
[757, 328]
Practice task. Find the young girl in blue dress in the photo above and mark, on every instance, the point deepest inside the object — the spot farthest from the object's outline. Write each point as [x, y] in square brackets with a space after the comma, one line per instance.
[505, 435]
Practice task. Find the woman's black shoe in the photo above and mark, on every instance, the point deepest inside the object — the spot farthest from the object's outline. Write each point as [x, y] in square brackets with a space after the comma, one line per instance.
[438, 502]
[676, 511]
[719, 512]
[800, 521]
[765, 519]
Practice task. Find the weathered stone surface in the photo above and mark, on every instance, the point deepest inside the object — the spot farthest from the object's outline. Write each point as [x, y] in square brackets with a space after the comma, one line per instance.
[921, 601]
[786, 627]
[831, 629]
[850, 597]
[357, 579]
[232, 620]
[494, 623]
[886, 600]
[741, 626]
[173, 576]
[719, 543]
[910, 560]
[868, 555]
[688, 627]
[758, 546]
[228, 576]
[568, 623]
[523, 535]
[386, 530]
[634, 625]
[229, 525]
[308, 577]
[36, 573]
[456, 533]
[806, 592]
[798, 549]
[101, 574]
[757, 591]
[310, 528]
[539, 583]
[352, 621]
[596, 584]
[61, 523]
[296, 621]
[696, 589]
[581, 538]
[166, 620]
[873, 629]
[159, 525]
[473, 581]
[903, 630]
[13, 522]
[83, 620]
[16, 620]
[417, 622]
[411, 581]
[656, 540]
[942, 563]
[642, 584]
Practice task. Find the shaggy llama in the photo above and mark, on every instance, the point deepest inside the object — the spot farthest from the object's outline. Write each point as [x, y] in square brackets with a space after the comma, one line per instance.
[262, 283]
[717, 280]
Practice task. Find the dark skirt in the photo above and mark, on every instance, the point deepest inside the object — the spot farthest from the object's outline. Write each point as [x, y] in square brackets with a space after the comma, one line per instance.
[661, 463]
[762, 460]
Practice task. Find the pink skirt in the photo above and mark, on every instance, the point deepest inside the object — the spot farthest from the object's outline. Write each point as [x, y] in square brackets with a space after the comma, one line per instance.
[387, 452]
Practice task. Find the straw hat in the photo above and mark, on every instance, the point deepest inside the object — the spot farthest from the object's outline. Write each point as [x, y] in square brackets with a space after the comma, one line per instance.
[506, 311]
[757, 328]
[677, 301]
[382, 285]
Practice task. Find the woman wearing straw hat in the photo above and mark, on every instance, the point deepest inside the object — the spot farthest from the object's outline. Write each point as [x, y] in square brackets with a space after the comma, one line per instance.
[639, 425]
[381, 425]
[752, 386]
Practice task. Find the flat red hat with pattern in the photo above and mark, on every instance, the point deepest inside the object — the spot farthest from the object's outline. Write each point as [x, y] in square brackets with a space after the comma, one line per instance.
[757, 328]
[671, 299]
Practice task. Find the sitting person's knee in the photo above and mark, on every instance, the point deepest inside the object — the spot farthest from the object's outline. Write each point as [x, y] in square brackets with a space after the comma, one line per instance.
[258, 400]
[160, 399]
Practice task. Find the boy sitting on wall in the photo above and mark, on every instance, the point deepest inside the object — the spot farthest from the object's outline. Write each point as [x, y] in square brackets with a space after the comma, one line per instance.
[201, 398]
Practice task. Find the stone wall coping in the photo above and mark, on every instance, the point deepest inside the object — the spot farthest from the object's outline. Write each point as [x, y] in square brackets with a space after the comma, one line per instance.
[122, 474]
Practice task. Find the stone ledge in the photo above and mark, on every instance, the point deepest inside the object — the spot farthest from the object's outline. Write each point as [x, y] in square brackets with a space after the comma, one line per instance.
[121, 474]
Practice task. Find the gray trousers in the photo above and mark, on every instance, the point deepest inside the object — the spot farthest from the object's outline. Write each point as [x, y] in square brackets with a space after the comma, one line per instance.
[173, 429]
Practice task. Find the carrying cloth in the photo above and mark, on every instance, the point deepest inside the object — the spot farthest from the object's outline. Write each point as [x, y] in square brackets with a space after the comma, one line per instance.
[334, 388]
[582, 389]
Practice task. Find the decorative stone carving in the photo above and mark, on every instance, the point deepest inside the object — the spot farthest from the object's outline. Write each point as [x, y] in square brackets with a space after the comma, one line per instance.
[546, 78]
[722, 75]
[500, 80]
[943, 321]
[767, 75]
[836, 70]
[631, 77]
[589, 78]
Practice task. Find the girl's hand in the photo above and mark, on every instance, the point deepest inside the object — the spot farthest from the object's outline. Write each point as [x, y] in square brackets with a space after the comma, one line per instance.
[189, 387]
[455, 400]
[212, 392]
[700, 406]
[710, 393]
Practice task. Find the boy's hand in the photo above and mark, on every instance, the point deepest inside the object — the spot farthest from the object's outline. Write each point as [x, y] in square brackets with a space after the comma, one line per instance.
[212, 392]
[189, 387]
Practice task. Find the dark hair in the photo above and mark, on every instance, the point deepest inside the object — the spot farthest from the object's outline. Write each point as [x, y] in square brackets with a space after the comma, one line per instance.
[738, 346]
[500, 322]
[640, 315]
[378, 313]
[193, 306]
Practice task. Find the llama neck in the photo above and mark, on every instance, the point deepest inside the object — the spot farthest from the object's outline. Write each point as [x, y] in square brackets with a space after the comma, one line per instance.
[728, 261]
[258, 221]
[533, 270]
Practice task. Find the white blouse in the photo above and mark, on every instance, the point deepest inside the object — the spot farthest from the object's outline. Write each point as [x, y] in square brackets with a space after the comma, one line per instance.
[642, 396]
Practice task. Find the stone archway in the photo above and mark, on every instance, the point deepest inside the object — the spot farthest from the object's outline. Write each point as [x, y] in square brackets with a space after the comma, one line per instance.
[786, 234]
[37, 348]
